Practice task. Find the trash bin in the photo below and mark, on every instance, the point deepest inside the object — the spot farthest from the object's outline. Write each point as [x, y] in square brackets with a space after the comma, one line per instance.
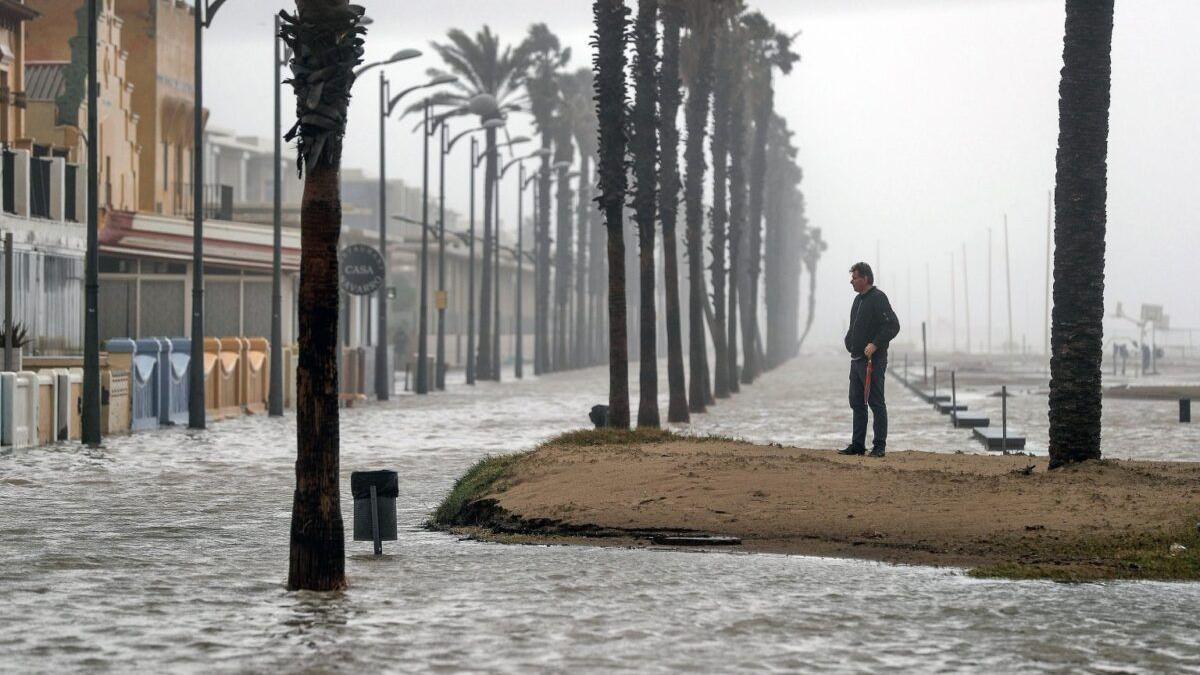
[375, 495]
[144, 383]
[176, 381]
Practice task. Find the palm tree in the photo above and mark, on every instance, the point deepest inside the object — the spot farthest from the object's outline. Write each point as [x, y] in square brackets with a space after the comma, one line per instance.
[785, 240]
[612, 19]
[769, 49]
[326, 39]
[703, 19]
[737, 208]
[564, 153]
[813, 249]
[579, 112]
[643, 132]
[483, 67]
[547, 58]
[668, 199]
[1081, 193]
[722, 92]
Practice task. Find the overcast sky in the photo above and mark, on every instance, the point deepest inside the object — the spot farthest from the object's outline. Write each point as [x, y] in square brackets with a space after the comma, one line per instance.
[921, 123]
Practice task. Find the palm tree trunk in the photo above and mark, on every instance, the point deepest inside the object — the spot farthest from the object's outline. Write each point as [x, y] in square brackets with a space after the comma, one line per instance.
[696, 117]
[484, 367]
[737, 232]
[579, 349]
[1080, 199]
[317, 541]
[644, 145]
[758, 172]
[611, 20]
[562, 250]
[722, 91]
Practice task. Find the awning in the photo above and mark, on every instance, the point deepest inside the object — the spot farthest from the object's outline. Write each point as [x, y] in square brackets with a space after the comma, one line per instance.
[245, 246]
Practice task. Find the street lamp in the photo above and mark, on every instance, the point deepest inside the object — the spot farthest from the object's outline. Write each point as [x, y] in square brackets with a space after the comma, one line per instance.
[203, 19]
[91, 323]
[518, 366]
[387, 105]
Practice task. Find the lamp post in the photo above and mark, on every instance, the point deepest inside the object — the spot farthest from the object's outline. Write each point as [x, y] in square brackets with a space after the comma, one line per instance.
[91, 322]
[518, 368]
[387, 105]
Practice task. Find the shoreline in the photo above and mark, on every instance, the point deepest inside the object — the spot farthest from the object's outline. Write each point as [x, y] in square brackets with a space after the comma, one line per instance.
[993, 515]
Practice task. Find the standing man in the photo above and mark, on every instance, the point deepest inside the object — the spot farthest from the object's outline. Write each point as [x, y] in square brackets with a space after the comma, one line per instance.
[873, 325]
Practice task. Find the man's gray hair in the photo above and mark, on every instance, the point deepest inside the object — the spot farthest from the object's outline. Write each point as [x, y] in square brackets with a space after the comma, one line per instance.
[864, 271]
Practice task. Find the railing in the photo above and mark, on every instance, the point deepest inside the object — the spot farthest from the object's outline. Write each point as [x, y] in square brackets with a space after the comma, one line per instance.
[217, 199]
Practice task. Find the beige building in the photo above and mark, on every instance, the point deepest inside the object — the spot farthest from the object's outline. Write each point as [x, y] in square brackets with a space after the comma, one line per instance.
[160, 35]
[13, 17]
[55, 74]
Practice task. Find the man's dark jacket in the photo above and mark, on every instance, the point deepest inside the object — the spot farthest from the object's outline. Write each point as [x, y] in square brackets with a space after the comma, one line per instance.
[872, 321]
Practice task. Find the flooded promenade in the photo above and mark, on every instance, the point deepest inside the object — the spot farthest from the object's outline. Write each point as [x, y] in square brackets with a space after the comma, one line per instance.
[168, 550]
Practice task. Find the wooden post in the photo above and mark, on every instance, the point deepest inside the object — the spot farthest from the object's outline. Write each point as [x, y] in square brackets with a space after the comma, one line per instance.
[966, 297]
[1008, 284]
[924, 356]
[1004, 419]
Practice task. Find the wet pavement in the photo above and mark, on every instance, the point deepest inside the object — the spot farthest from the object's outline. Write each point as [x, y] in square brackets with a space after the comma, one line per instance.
[168, 550]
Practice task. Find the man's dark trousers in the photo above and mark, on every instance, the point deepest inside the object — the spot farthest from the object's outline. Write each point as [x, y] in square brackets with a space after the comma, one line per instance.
[858, 381]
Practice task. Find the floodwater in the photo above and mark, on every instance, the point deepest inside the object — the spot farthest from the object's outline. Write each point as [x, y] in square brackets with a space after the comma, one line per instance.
[168, 551]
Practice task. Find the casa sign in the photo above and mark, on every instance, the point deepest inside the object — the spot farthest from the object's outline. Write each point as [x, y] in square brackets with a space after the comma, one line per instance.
[361, 269]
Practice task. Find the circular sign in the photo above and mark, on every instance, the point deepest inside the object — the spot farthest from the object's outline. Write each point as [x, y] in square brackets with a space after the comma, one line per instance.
[361, 269]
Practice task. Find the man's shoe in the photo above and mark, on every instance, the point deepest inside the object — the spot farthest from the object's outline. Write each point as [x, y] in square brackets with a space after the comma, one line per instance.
[876, 452]
[853, 450]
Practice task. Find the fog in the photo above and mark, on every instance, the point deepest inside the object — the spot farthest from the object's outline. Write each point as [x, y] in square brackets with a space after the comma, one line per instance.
[920, 124]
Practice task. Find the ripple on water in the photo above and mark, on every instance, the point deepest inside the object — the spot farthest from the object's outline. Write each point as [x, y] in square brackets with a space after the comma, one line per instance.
[169, 550]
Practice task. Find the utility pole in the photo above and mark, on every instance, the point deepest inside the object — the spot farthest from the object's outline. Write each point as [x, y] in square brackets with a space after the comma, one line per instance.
[953, 309]
[91, 320]
[1049, 239]
[966, 296]
[196, 374]
[989, 291]
[928, 302]
[1008, 283]
[275, 390]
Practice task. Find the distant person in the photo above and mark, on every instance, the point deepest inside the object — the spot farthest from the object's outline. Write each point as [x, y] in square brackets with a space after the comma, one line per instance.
[873, 325]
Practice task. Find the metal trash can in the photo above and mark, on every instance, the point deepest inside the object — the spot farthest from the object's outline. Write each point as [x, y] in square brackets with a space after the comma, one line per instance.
[375, 495]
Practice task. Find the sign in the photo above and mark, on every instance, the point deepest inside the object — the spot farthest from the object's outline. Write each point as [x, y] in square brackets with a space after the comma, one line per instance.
[361, 269]
[441, 299]
[1152, 313]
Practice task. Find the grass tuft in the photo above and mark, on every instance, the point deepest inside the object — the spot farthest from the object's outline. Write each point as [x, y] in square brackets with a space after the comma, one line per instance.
[597, 437]
[479, 480]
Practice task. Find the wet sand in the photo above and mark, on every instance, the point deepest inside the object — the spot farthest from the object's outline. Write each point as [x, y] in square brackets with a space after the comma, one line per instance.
[1099, 519]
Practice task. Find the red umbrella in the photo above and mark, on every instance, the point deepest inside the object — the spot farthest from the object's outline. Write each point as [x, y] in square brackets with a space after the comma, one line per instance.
[867, 385]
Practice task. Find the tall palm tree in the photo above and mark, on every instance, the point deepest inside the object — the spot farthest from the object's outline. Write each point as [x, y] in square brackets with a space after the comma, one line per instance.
[1080, 199]
[813, 249]
[769, 50]
[483, 66]
[612, 20]
[785, 238]
[579, 112]
[703, 20]
[737, 207]
[669, 88]
[719, 218]
[643, 131]
[547, 58]
[326, 38]
[564, 153]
